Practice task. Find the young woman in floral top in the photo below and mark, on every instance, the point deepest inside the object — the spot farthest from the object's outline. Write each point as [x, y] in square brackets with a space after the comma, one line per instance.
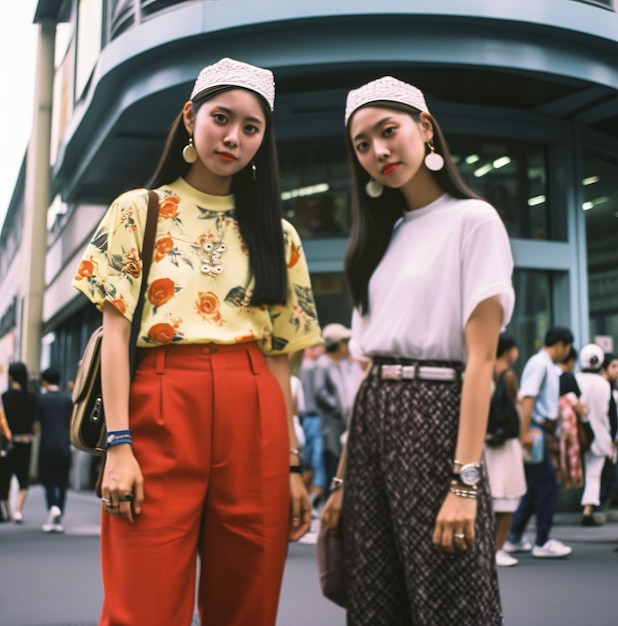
[201, 455]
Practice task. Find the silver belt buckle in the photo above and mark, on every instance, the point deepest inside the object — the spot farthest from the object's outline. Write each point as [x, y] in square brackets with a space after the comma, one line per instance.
[390, 372]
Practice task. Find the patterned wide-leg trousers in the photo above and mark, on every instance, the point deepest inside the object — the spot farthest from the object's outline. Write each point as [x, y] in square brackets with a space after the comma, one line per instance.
[400, 454]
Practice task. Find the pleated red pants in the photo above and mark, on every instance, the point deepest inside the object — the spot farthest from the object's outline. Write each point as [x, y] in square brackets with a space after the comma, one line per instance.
[210, 435]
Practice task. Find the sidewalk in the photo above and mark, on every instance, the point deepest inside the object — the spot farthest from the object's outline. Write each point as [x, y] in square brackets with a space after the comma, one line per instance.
[82, 514]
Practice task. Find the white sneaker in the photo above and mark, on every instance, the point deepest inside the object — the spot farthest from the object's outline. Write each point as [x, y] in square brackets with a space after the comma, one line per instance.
[18, 517]
[504, 560]
[53, 521]
[56, 514]
[523, 545]
[551, 549]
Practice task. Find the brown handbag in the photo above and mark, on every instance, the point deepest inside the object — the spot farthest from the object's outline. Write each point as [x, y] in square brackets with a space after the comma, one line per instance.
[331, 564]
[88, 418]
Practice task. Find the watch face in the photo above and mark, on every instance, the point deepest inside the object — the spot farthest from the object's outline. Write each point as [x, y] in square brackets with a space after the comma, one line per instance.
[470, 474]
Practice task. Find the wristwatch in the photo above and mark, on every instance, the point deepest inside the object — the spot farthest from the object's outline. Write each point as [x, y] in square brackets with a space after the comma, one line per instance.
[469, 474]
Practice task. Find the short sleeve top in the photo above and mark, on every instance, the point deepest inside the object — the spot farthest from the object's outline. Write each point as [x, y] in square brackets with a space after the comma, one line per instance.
[541, 380]
[199, 286]
[442, 261]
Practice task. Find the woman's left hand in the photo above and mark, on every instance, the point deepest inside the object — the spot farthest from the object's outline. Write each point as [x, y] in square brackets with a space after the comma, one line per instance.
[300, 508]
[454, 530]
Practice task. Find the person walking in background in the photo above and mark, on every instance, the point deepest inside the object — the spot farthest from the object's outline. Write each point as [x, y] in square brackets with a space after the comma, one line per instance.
[202, 458]
[315, 472]
[504, 458]
[19, 406]
[53, 421]
[6, 445]
[540, 389]
[429, 266]
[609, 478]
[332, 393]
[597, 396]
[573, 416]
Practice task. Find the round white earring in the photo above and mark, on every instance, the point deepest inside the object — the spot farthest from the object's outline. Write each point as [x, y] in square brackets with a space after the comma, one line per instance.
[374, 189]
[433, 160]
[188, 152]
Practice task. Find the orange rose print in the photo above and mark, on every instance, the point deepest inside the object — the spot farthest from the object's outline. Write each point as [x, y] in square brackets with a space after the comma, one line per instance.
[163, 247]
[168, 208]
[120, 304]
[207, 305]
[85, 269]
[161, 333]
[160, 291]
[294, 256]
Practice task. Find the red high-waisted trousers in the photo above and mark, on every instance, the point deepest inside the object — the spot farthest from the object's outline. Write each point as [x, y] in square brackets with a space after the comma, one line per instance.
[210, 435]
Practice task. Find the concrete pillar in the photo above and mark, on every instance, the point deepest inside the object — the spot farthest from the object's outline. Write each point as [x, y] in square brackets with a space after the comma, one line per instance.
[36, 201]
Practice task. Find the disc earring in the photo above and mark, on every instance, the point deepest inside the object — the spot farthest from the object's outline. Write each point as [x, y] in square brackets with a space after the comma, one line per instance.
[433, 160]
[188, 152]
[374, 189]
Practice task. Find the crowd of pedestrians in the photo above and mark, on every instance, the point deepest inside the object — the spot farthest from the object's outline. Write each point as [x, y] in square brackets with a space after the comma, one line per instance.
[24, 415]
[568, 437]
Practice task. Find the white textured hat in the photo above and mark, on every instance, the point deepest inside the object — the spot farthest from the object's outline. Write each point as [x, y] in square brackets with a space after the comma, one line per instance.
[591, 357]
[386, 89]
[228, 72]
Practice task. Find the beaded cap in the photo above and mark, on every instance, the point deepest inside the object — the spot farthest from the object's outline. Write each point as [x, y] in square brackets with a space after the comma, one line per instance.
[387, 89]
[228, 72]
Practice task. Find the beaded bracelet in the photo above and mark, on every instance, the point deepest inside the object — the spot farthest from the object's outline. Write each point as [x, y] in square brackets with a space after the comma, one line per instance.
[468, 492]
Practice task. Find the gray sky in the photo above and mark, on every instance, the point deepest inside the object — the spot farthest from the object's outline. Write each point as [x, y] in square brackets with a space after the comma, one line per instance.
[18, 54]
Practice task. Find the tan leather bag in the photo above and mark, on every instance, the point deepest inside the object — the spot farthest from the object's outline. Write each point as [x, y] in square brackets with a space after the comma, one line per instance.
[88, 430]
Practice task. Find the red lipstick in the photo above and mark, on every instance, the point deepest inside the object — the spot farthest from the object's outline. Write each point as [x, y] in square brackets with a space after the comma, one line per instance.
[389, 168]
[226, 156]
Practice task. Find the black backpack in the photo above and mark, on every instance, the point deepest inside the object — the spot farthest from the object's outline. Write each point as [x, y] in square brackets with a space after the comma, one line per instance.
[503, 422]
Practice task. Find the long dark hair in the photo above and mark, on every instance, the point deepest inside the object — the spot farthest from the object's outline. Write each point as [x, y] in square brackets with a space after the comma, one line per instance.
[373, 218]
[19, 373]
[257, 203]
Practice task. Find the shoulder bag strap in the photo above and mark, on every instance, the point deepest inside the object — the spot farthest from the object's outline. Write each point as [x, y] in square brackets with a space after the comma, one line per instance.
[147, 252]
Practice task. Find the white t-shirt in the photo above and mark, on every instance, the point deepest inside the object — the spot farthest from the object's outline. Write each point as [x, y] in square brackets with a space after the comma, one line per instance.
[443, 259]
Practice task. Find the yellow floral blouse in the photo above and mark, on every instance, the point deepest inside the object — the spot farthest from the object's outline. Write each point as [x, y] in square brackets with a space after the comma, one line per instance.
[198, 286]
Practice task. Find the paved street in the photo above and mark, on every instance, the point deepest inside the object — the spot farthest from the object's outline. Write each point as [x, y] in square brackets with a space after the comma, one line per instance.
[54, 580]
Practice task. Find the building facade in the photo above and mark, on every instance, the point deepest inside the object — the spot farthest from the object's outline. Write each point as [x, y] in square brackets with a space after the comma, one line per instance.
[526, 93]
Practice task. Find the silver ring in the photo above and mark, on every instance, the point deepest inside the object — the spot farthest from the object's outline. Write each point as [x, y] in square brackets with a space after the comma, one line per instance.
[458, 536]
[106, 501]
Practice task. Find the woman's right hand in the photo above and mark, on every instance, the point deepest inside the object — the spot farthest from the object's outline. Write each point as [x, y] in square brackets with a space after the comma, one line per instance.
[122, 489]
[331, 513]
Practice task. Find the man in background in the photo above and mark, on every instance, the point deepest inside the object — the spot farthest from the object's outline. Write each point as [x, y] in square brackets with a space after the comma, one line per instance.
[53, 419]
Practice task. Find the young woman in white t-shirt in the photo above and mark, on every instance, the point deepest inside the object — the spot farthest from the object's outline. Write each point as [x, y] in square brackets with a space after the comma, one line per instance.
[429, 266]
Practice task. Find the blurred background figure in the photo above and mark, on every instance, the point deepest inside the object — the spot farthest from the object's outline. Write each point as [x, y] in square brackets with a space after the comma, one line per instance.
[333, 394]
[53, 420]
[19, 406]
[504, 457]
[313, 452]
[596, 395]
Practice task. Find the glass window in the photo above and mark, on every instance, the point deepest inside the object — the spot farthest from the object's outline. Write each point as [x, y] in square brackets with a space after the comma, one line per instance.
[511, 175]
[532, 316]
[600, 207]
[332, 298]
[315, 185]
